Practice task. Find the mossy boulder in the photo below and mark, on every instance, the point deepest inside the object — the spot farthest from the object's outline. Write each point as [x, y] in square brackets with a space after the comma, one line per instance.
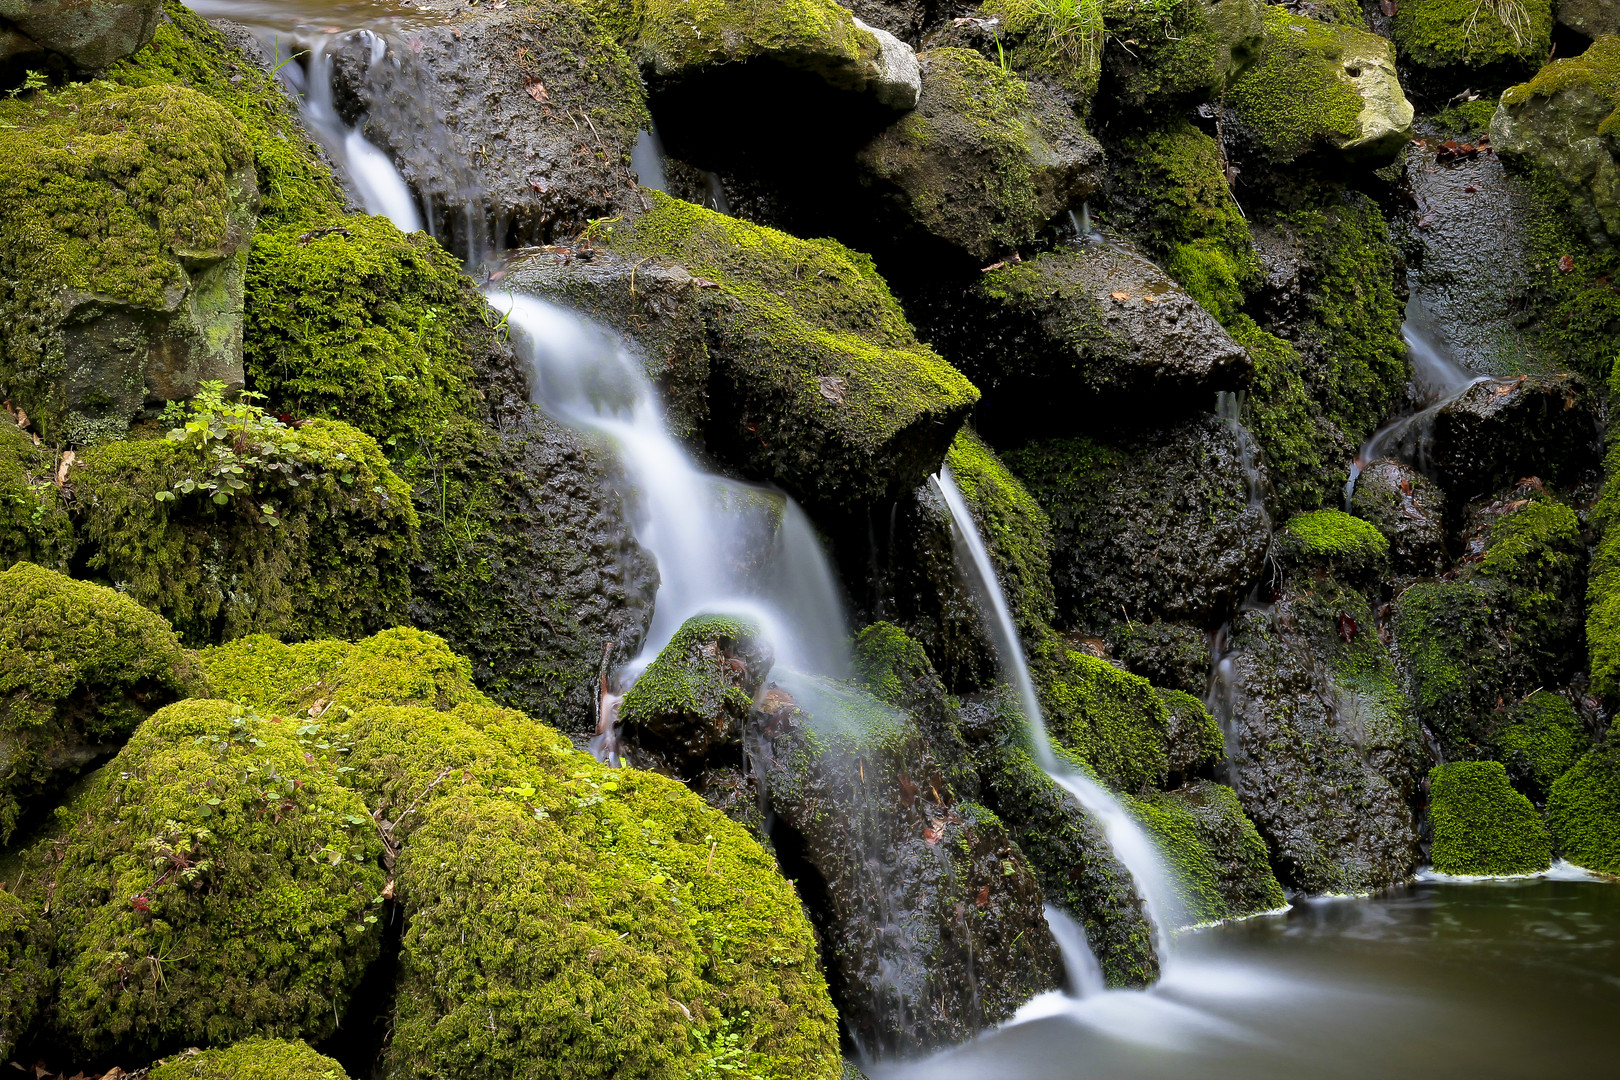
[1603, 585]
[1217, 860]
[315, 535]
[1322, 86]
[1589, 18]
[215, 881]
[90, 35]
[1565, 120]
[1176, 499]
[1542, 740]
[34, 522]
[1347, 547]
[932, 919]
[816, 379]
[1187, 53]
[80, 667]
[693, 700]
[1100, 320]
[24, 970]
[1583, 811]
[1172, 655]
[1409, 510]
[251, 1059]
[1475, 37]
[984, 161]
[1481, 825]
[123, 238]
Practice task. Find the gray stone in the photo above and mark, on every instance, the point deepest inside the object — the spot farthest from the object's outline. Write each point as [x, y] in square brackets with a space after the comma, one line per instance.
[898, 82]
[1594, 18]
[92, 34]
[1410, 510]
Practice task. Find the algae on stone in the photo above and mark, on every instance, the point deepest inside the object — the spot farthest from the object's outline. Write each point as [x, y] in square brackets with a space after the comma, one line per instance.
[1583, 810]
[1217, 859]
[1483, 826]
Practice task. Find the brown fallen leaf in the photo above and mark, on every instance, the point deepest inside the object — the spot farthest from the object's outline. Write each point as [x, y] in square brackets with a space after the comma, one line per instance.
[908, 791]
[983, 899]
[992, 266]
[22, 417]
[705, 283]
[932, 833]
[536, 89]
[1470, 188]
[68, 458]
[1389, 8]
[1566, 263]
[1119, 296]
[1348, 628]
[833, 388]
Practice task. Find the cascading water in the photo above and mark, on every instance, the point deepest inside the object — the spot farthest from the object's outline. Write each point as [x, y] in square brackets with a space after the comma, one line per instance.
[693, 523]
[1130, 842]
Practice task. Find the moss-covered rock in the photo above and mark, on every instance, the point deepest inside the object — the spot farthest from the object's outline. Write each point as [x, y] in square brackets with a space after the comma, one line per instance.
[1171, 655]
[1475, 37]
[1603, 585]
[1481, 825]
[34, 523]
[1062, 42]
[693, 700]
[1347, 547]
[251, 1059]
[817, 380]
[239, 524]
[1323, 86]
[1590, 18]
[122, 242]
[1493, 433]
[1409, 510]
[1184, 52]
[1583, 811]
[215, 881]
[1174, 499]
[1217, 859]
[1012, 524]
[80, 667]
[1541, 741]
[1565, 120]
[24, 970]
[985, 160]
[860, 789]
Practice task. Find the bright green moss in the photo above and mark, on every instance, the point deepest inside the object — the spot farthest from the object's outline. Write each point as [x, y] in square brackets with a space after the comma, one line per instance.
[1061, 40]
[1442, 629]
[1536, 555]
[1013, 525]
[1583, 811]
[318, 542]
[1216, 856]
[690, 685]
[1334, 540]
[1194, 740]
[1114, 721]
[1298, 447]
[679, 36]
[34, 523]
[1471, 34]
[1468, 118]
[1541, 741]
[24, 973]
[362, 324]
[252, 1059]
[1296, 96]
[294, 183]
[80, 667]
[1603, 584]
[807, 334]
[401, 666]
[1186, 51]
[1481, 825]
[888, 661]
[213, 882]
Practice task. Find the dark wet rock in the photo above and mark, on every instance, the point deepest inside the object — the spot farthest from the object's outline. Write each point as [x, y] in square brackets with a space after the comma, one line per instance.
[1591, 18]
[1507, 623]
[1175, 500]
[1331, 542]
[1216, 856]
[482, 113]
[1172, 655]
[984, 161]
[90, 34]
[1078, 870]
[1322, 86]
[1324, 756]
[1190, 53]
[1495, 433]
[1100, 319]
[693, 700]
[1409, 509]
[907, 20]
[1560, 120]
[931, 918]
[127, 216]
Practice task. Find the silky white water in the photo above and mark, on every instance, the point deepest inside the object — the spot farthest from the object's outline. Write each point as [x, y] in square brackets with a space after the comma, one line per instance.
[1129, 841]
[698, 527]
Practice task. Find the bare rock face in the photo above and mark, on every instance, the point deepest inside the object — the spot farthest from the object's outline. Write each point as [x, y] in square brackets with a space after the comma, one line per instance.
[91, 34]
[1496, 432]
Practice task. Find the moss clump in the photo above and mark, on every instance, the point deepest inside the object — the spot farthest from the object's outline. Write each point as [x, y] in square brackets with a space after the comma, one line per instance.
[294, 182]
[1603, 584]
[696, 696]
[1013, 525]
[24, 971]
[1300, 446]
[115, 197]
[34, 522]
[362, 324]
[1541, 741]
[1182, 51]
[1483, 826]
[1335, 541]
[1061, 40]
[401, 666]
[80, 667]
[239, 524]
[1467, 118]
[1169, 190]
[809, 342]
[252, 1059]
[674, 37]
[1474, 35]
[1583, 810]
[1443, 632]
[1296, 96]
[215, 881]
[1219, 862]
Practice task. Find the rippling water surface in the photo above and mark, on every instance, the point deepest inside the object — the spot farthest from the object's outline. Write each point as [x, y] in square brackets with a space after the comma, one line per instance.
[1437, 980]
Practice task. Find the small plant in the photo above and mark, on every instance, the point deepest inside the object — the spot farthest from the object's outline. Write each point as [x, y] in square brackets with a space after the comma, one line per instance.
[1510, 13]
[721, 1052]
[32, 81]
[1074, 32]
[234, 437]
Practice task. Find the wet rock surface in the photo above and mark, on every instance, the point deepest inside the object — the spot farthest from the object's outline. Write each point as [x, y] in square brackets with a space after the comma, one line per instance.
[1497, 432]
[1409, 509]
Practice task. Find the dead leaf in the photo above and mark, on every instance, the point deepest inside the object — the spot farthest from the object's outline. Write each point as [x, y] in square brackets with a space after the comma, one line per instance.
[833, 388]
[68, 458]
[536, 89]
[1566, 263]
[705, 283]
[1348, 628]
[22, 417]
[1389, 8]
[992, 266]
[983, 899]
[1470, 189]
[1119, 296]
[908, 791]
[932, 832]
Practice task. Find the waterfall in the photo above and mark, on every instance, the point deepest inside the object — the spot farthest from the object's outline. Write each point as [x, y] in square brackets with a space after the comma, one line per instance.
[693, 523]
[1130, 842]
